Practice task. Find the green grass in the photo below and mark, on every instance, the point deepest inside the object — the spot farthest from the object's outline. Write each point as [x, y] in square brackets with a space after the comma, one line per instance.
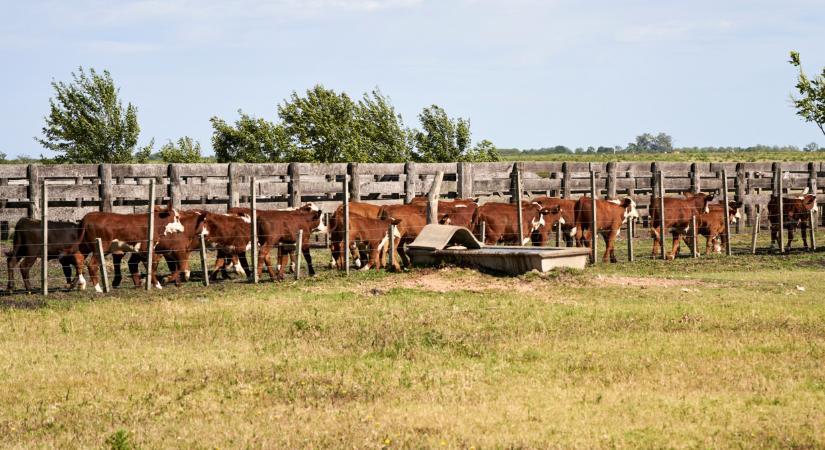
[675, 157]
[714, 352]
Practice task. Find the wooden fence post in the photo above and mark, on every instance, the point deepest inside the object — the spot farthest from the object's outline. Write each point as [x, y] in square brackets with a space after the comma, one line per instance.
[465, 180]
[777, 168]
[433, 196]
[346, 225]
[204, 264]
[298, 255]
[173, 190]
[755, 231]
[813, 229]
[33, 172]
[44, 223]
[726, 205]
[694, 235]
[253, 203]
[740, 191]
[294, 188]
[409, 182]
[391, 244]
[631, 224]
[661, 186]
[558, 234]
[105, 188]
[232, 186]
[150, 235]
[517, 198]
[101, 256]
[611, 179]
[483, 231]
[354, 170]
[594, 225]
[566, 187]
[695, 179]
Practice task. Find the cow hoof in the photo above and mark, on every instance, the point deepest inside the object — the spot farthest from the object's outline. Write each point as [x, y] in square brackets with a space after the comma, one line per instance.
[158, 286]
[98, 288]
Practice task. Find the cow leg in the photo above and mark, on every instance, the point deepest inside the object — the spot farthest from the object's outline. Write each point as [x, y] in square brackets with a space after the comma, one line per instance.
[774, 235]
[94, 263]
[803, 229]
[657, 241]
[283, 260]
[402, 253]
[240, 258]
[790, 239]
[335, 249]
[116, 259]
[220, 262]
[308, 258]
[26, 264]
[79, 260]
[11, 263]
[608, 246]
[134, 268]
[66, 265]
[676, 238]
[265, 257]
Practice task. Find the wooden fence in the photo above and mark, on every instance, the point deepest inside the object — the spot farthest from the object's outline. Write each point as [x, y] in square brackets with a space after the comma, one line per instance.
[75, 190]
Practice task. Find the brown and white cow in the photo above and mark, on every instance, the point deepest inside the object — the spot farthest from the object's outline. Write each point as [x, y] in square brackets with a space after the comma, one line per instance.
[231, 236]
[711, 225]
[610, 215]
[458, 212]
[679, 214]
[501, 221]
[568, 228]
[412, 219]
[356, 209]
[27, 248]
[797, 213]
[120, 233]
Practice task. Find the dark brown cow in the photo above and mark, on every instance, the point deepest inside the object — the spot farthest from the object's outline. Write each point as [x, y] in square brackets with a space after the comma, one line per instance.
[797, 213]
[281, 227]
[413, 218]
[711, 225]
[610, 215]
[121, 233]
[501, 221]
[359, 209]
[27, 248]
[679, 213]
[372, 234]
[231, 236]
[568, 213]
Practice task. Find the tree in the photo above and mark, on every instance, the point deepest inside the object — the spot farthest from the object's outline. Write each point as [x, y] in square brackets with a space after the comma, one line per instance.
[186, 151]
[323, 124]
[381, 130]
[647, 143]
[811, 147]
[441, 138]
[810, 105]
[88, 124]
[483, 151]
[252, 140]
[3, 157]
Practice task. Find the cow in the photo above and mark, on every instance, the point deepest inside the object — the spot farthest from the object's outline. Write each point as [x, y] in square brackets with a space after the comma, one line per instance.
[568, 208]
[230, 235]
[372, 234]
[796, 213]
[27, 247]
[711, 225]
[501, 221]
[412, 219]
[360, 209]
[173, 247]
[121, 233]
[458, 212]
[679, 213]
[610, 215]
[281, 227]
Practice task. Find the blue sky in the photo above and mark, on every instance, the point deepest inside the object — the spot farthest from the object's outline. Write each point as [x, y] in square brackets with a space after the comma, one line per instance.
[527, 73]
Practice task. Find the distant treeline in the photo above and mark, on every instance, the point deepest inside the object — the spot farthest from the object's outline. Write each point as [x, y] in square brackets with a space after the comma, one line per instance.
[561, 149]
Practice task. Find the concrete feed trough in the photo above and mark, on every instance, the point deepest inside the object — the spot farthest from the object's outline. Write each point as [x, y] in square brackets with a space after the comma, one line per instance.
[438, 244]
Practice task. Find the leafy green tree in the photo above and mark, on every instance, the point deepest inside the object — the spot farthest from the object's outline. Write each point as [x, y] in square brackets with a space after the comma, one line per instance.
[381, 130]
[441, 138]
[810, 105]
[811, 147]
[3, 157]
[186, 150]
[87, 123]
[323, 124]
[251, 139]
[648, 143]
[483, 151]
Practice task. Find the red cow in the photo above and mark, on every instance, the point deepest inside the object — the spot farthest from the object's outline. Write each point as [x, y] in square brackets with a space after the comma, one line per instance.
[679, 214]
[501, 221]
[711, 225]
[610, 215]
[27, 248]
[797, 213]
[568, 228]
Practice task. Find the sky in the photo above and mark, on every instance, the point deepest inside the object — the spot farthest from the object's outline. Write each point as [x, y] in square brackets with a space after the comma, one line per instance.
[527, 73]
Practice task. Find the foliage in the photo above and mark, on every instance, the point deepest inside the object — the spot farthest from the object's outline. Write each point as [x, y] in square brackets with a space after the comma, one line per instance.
[186, 150]
[810, 105]
[381, 129]
[648, 143]
[442, 139]
[3, 157]
[811, 147]
[250, 139]
[87, 123]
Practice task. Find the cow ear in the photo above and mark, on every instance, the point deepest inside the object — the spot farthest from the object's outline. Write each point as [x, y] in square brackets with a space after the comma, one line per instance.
[687, 194]
[710, 197]
[735, 205]
[556, 209]
[395, 221]
[627, 202]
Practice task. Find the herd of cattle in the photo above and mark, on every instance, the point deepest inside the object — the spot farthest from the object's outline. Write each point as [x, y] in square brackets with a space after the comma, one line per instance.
[178, 233]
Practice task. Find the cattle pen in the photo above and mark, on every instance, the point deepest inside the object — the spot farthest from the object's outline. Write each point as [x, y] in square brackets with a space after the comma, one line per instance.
[68, 192]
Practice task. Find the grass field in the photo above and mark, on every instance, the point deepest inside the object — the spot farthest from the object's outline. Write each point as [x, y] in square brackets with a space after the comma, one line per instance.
[714, 352]
[676, 156]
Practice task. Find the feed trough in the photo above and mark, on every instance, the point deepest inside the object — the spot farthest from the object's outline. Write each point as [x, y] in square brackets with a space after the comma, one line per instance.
[438, 244]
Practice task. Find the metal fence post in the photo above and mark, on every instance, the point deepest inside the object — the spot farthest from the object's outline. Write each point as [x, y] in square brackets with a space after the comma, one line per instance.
[755, 231]
[694, 235]
[594, 226]
[346, 225]
[517, 181]
[781, 201]
[813, 229]
[391, 244]
[150, 235]
[631, 224]
[483, 231]
[558, 234]
[661, 213]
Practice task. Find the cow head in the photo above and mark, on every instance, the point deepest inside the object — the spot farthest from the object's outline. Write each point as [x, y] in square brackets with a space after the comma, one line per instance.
[552, 215]
[538, 220]
[321, 219]
[809, 202]
[733, 211]
[630, 210]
